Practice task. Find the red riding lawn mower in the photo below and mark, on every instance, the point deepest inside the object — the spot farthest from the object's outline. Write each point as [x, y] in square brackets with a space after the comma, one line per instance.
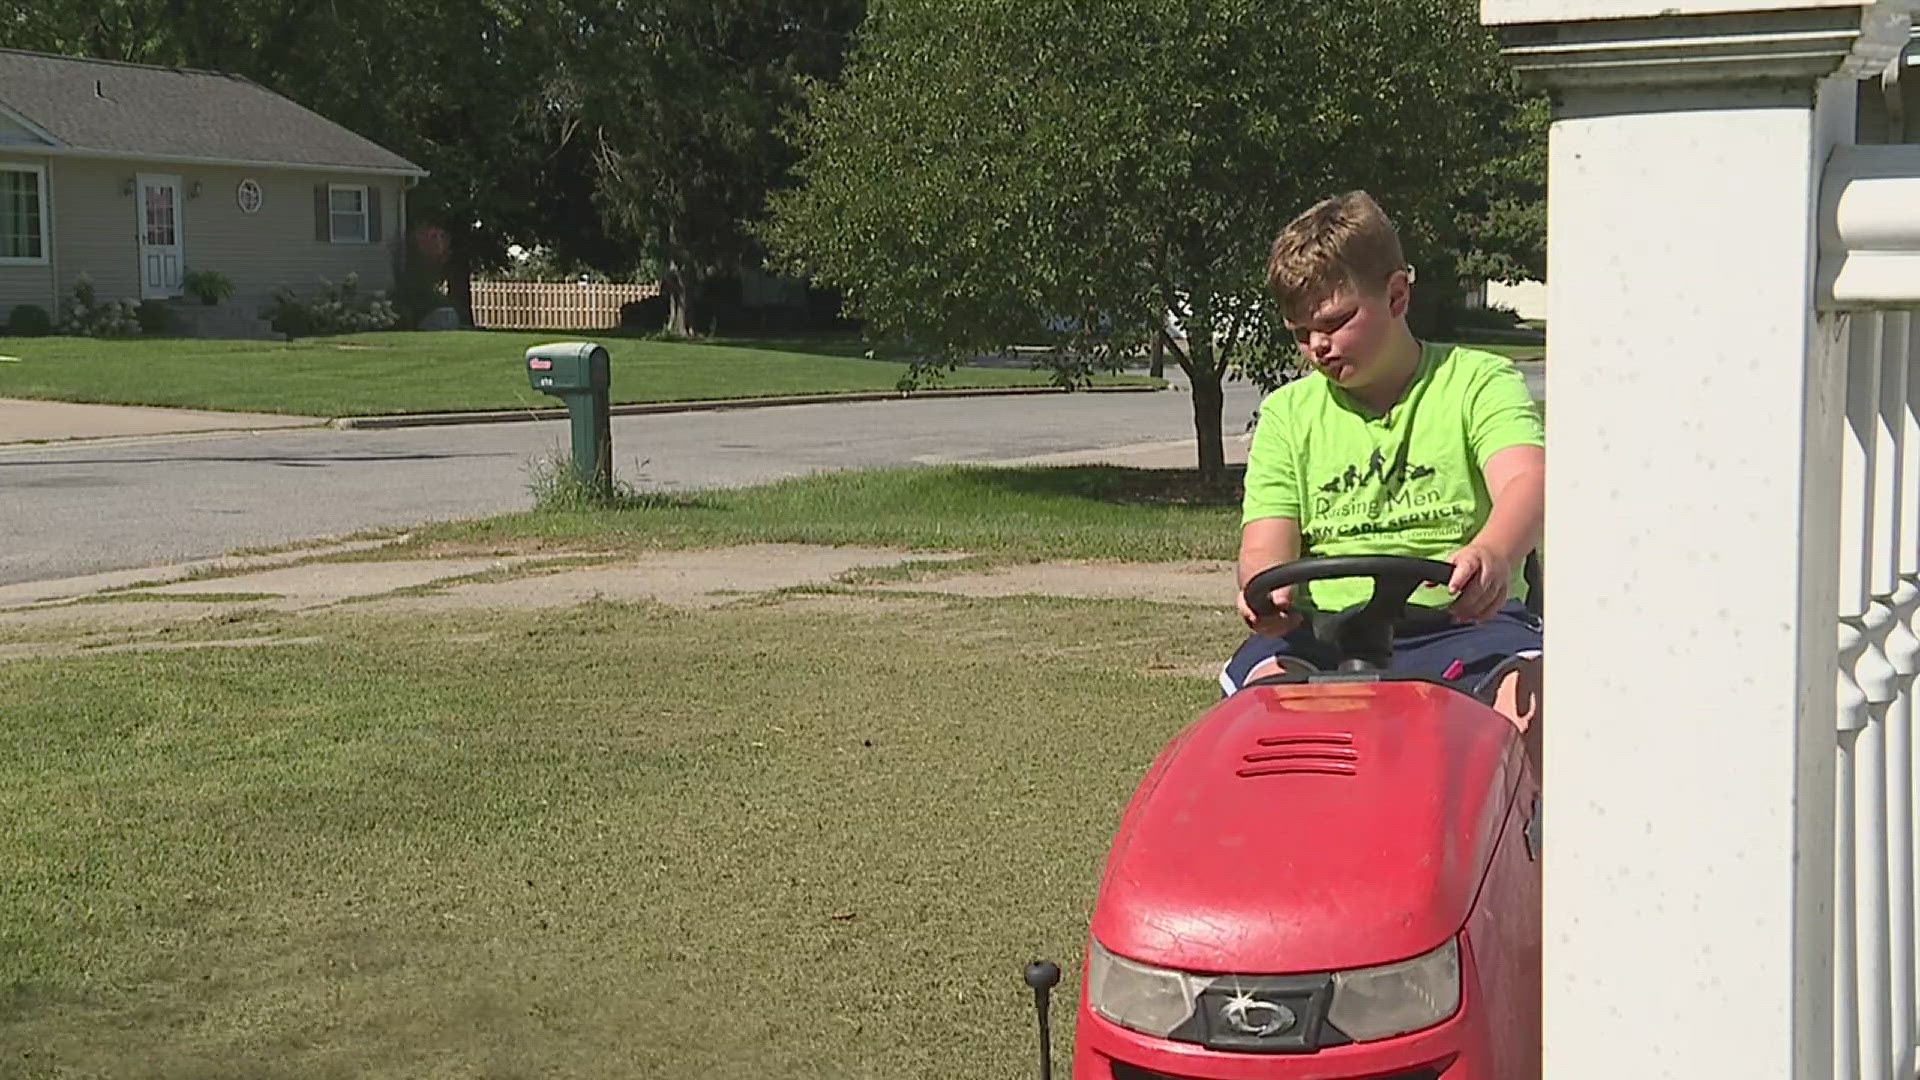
[1330, 875]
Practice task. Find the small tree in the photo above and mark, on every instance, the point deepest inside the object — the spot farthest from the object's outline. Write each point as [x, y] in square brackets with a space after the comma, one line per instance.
[1071, 172]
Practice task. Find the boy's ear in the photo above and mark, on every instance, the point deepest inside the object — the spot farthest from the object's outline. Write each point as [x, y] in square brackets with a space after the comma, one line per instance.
[1399, 293]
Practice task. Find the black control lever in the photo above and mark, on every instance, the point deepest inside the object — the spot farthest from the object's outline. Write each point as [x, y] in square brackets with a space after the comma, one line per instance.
[1042, 975]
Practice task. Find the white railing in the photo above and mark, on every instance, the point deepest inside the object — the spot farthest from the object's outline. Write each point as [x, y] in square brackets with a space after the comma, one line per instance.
[1875, 932]
[553, 305]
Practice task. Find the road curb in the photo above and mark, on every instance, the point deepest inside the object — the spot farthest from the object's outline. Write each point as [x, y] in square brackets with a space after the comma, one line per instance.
[648, 408]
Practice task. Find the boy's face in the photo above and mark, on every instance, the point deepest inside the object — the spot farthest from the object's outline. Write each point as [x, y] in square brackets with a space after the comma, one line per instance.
[1345, 337]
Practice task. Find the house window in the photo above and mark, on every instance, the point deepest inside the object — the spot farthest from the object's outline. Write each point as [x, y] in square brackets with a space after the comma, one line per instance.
[347, 210]
[23, 214]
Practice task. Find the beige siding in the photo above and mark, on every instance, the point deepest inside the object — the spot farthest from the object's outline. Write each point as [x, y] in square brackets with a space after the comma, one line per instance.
[276, 246]
[14, 132]
[94, 229]
[26, 284]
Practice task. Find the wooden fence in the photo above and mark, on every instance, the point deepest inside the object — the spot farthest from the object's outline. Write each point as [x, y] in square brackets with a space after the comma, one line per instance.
[553, 305]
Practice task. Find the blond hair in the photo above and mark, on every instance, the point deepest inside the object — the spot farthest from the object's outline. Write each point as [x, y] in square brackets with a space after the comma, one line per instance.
[1345, 241]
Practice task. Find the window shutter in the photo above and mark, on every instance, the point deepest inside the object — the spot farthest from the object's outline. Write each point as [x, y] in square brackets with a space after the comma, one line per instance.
[322, 215]
[373, 213]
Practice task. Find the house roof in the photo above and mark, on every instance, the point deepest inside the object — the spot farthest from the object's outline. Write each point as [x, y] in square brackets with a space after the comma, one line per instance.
[109, 108]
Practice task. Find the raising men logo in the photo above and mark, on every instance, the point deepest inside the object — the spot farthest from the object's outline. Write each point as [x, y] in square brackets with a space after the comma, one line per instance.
[1376, 470]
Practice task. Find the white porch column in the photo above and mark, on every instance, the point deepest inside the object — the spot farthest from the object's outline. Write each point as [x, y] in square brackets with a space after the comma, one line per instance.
[1692, 526]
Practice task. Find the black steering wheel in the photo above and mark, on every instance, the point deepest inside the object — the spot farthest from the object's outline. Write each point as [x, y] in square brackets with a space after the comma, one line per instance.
[1362, 635]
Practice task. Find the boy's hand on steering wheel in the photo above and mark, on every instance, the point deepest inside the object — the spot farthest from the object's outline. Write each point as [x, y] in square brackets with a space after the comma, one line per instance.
[1283, 622]
[1481, 580]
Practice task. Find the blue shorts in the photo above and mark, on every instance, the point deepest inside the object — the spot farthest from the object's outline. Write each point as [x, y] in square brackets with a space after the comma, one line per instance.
[1478, 647]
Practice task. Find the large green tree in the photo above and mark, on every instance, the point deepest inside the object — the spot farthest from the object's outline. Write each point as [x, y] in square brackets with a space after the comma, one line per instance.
[992, 172]
[684, 112]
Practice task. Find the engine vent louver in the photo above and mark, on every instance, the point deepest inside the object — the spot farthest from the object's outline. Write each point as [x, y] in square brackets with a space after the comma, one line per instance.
[1325, 754]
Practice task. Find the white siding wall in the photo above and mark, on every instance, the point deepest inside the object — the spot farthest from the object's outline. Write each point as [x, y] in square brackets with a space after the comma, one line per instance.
[94, 229]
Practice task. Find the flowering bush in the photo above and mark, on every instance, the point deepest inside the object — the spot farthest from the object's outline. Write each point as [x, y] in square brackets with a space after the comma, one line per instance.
[89, 316]
[339, 309]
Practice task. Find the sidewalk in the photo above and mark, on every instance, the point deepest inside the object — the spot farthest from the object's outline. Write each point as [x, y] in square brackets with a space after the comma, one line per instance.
[55, 421]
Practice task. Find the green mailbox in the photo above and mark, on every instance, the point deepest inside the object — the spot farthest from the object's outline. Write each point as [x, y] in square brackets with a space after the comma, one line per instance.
[576, 372]
[573, 367]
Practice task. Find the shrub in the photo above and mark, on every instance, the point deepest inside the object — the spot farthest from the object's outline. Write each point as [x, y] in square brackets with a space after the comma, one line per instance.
[155, 317]
[646, 314]
[416, 294]
[89, 316]
[207, 286]
[340, 309]
[29, 320]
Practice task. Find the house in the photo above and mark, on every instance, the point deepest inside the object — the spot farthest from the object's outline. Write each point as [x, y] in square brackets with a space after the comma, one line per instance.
[1527, 299]
[134, 175]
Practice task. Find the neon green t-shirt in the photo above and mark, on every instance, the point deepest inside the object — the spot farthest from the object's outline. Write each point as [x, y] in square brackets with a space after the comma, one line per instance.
[1407, 482]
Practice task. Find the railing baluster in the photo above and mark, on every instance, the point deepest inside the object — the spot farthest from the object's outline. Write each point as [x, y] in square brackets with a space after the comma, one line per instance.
[1887, 685]
[1862, 1011]
[1876, 679]
[1903, 655]
[1850, 720]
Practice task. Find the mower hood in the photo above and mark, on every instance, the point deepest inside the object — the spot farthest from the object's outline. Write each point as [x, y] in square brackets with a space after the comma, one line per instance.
[1310, 828]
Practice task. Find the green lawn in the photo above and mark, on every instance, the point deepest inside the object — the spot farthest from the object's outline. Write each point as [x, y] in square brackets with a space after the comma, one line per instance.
[1087, 511]
[456, 370]
[444, 371]
[807, 836]
[777, 840]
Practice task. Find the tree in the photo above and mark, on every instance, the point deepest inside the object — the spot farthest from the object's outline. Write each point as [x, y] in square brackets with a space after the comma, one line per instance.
[685, 118]
[992, 172]
[1503, 219]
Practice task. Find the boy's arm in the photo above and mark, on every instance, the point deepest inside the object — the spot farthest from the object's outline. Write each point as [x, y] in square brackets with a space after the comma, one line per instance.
[1266, 542]
[1483, 569]
[1508, 442]
[1270, 514]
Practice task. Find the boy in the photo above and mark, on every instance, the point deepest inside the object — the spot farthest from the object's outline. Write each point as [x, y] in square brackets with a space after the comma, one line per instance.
[1390, 446]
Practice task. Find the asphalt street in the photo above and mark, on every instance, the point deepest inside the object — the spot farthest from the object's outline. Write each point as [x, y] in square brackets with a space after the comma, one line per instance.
[108, 504]
[95, 505]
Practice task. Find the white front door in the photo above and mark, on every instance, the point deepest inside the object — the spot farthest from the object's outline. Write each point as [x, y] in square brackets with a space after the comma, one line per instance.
[160, 241]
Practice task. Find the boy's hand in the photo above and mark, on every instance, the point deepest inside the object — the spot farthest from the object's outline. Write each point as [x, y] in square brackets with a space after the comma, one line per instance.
[1281, 623]
[1481, 579]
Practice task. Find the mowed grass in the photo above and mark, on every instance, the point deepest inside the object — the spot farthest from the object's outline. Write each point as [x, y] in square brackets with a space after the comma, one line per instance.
[1080, 511]
[438, 371]
[809, 838]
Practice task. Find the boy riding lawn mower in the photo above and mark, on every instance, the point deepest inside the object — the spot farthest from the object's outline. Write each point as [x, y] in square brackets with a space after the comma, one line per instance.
[1330, 875]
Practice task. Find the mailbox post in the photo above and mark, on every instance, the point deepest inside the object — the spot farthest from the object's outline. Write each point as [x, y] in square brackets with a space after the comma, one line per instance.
[576, 372]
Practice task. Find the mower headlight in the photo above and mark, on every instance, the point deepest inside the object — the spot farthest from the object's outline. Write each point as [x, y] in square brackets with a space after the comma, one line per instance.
[1148, 999]
[1380, 1002]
